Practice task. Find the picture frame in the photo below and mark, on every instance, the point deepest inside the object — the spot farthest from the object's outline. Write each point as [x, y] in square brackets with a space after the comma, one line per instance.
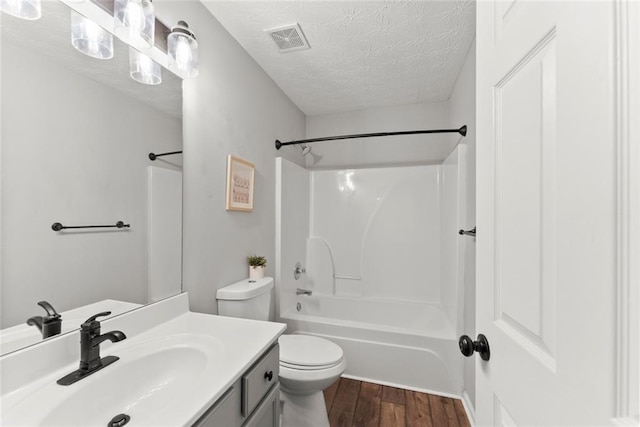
[240, 182]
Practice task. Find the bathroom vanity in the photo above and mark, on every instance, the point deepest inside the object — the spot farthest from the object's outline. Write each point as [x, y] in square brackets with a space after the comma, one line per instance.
[252, 401]
[175, 368]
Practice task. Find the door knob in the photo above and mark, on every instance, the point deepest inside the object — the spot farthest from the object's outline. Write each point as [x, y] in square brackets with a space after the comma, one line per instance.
[468, 346]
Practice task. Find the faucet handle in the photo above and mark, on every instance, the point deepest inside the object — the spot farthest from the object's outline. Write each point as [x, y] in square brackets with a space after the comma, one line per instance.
[51, 312]
[90, 322]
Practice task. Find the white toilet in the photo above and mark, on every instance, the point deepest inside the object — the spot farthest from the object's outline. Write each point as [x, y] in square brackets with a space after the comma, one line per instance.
[308, 364]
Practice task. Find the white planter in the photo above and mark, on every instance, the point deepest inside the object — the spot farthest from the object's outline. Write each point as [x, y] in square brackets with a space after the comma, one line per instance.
[256, 273]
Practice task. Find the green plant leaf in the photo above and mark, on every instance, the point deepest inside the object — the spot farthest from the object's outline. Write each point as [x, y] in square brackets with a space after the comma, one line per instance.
[257, 261]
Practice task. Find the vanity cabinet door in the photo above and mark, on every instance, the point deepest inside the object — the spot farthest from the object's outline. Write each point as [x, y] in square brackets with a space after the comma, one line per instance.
[256, 393]
[224, 413]
[268, 413]
[259, 379]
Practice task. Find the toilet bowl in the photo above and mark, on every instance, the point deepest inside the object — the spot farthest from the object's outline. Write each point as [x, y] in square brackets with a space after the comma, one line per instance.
[308, 364]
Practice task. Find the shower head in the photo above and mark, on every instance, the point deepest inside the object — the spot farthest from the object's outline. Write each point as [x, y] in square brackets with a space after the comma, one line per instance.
[305, 149]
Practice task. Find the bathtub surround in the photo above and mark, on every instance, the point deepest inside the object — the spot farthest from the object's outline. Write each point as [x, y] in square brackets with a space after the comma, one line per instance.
[324, 315]
[386, 278]
[233, 107]
[388, 233]
[398, 295]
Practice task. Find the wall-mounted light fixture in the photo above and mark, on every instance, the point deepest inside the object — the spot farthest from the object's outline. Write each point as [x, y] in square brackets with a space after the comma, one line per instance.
[144, 69]
[94, 22]
[90, 38]
[182, 49]
[134, 22]
[25, 9]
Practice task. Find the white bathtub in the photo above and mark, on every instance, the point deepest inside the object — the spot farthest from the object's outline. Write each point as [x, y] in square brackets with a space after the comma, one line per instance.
[379, 336]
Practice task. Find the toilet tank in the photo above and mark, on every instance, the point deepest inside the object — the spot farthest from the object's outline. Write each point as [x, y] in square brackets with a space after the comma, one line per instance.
[249, 299]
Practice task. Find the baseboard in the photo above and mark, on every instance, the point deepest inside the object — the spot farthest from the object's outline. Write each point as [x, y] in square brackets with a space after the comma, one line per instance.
[468, 408]
[402, 386]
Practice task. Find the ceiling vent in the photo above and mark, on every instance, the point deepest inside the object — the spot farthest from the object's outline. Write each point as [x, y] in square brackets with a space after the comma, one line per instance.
[288, 38]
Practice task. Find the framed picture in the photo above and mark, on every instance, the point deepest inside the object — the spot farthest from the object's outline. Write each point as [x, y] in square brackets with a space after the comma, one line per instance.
[240, 175]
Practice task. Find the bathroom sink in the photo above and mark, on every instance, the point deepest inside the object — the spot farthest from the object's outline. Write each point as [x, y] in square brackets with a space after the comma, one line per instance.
[172, 367]
[152, 379]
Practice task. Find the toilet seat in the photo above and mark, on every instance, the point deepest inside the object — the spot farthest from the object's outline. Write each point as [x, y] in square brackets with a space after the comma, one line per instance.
[308, 368]
[306, 352]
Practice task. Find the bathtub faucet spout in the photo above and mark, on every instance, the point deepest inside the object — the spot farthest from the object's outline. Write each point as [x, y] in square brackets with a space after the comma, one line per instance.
[307, 292]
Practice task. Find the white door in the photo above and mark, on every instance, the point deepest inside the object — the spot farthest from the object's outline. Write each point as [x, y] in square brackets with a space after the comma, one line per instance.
[546, 212]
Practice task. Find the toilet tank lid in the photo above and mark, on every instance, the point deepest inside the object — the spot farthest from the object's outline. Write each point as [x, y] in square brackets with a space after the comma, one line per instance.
[245, 289]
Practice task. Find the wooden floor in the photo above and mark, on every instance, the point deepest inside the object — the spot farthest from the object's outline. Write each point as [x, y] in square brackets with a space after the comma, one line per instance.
[357, 403]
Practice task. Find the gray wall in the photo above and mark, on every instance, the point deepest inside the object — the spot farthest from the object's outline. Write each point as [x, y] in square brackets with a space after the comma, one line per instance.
[462, 110]
[233, 107]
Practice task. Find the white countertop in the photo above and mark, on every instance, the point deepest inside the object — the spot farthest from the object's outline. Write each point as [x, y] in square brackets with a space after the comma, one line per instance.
[233, 345]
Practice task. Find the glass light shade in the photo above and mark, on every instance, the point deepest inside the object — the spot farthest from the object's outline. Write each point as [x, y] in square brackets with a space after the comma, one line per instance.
[144, 69]
[182, 49]
[25, 9]
[135, 22]
[90, 38]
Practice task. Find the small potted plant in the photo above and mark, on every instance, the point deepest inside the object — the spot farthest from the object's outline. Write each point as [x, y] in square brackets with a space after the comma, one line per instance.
[256, 266]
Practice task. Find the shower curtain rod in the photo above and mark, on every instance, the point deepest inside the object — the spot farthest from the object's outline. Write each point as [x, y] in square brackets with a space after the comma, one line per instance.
[462, 131]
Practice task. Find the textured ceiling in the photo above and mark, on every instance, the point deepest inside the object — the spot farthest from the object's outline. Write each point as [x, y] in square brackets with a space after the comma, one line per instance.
[50, 37]
[363, 53]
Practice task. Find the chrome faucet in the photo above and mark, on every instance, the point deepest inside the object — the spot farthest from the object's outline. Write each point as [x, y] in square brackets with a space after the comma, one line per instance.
[90, 340]
[49, 325]
[307, 292]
